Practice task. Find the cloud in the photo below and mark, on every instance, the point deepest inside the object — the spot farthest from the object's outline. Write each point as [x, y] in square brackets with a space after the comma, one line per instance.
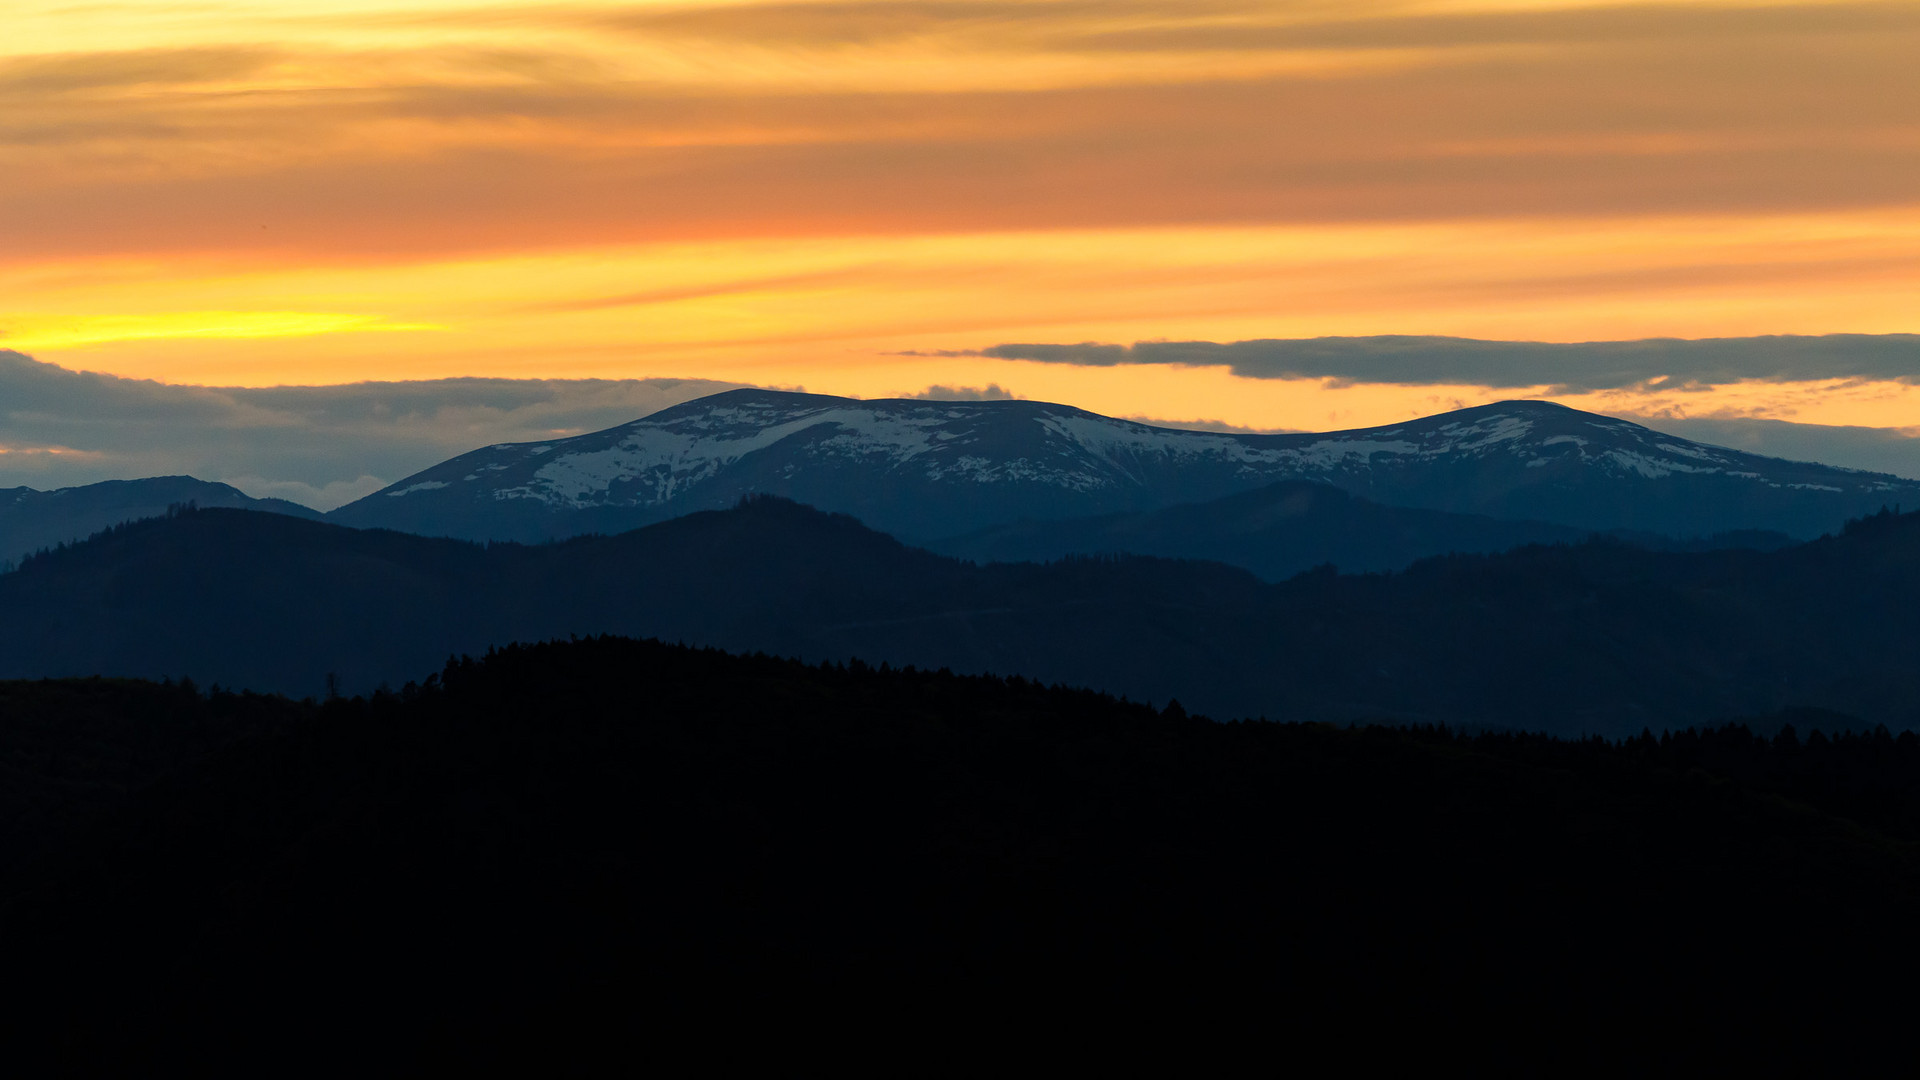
[868, 23]
[1599, 23]
[989, 392]
[1663, 364]
[573, 136]
[702, 292]
[81, 72]
[1208, 425]
[1159, 26]
[318, 445]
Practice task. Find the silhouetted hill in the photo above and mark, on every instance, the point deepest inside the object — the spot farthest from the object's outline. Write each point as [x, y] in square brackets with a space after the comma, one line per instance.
[925, 470]
[566, 851]
[72, 750]
[1598, 636]
[31, 520]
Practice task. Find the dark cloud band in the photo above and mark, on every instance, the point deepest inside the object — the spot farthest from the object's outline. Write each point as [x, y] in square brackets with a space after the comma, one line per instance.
[319, 445]
[1664, 364]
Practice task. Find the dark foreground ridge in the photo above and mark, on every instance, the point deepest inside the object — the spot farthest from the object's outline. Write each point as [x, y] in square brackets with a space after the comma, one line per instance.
[573, 847]
[1597, 637]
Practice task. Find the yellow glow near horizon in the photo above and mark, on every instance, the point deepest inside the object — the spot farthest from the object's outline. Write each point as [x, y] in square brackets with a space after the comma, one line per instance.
[54, 333]
[798, 193]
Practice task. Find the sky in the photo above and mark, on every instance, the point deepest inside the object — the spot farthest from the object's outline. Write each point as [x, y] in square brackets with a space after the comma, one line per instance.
[1142, 207]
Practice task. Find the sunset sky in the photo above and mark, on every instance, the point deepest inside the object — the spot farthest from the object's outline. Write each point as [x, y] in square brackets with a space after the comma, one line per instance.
[864, 196]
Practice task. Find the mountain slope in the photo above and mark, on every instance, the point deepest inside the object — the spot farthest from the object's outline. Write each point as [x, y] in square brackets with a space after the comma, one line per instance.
[1598, 636]
[925, 470]
[31, 520]
[1276, 532]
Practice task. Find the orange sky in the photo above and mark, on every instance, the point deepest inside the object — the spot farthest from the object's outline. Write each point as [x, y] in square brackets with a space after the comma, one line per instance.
[309, 191]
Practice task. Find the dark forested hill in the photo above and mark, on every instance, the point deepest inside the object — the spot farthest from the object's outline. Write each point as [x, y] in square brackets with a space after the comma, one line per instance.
[560, 853]
[1597, 636]
[1276, 531]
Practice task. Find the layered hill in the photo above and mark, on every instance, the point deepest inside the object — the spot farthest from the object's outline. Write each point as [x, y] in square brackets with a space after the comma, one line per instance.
[930, 470]
[32, 519]
[1592, 637]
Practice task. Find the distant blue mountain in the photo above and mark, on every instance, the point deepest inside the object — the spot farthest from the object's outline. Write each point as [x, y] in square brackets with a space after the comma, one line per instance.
[928, 471]
[31, 520]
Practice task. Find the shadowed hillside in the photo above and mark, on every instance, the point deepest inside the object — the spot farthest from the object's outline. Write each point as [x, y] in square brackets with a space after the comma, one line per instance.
[1286, 528]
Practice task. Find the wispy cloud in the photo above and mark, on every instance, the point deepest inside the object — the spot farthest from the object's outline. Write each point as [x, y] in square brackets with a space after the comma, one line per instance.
[989, 392]
[1573, 154]
[38, 77]
[529, 126]
[648, 297]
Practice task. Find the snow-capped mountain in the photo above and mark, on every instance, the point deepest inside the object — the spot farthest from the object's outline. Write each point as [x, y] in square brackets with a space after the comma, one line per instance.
[924, 470]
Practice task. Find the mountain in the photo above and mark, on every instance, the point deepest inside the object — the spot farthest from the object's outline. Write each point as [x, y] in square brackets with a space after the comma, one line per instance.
[1599, 636]
[1276, 531]
[930, 470]
[31, 520]
[1283, 529]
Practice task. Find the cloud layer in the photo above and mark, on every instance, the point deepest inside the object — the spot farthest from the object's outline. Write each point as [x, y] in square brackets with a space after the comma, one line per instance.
[318, 445]
[1663, 365]
[420, 129]
[318, 193]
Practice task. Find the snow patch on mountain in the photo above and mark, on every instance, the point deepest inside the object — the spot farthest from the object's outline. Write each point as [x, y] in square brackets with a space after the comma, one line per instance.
[1467, 438]
[424, 485]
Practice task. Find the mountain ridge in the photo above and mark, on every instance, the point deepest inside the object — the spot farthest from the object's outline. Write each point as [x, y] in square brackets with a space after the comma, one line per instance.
[924, 470]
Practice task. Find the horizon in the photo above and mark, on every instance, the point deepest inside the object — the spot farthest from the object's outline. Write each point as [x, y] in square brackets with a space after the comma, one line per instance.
[326, 446]
[1114, 206]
